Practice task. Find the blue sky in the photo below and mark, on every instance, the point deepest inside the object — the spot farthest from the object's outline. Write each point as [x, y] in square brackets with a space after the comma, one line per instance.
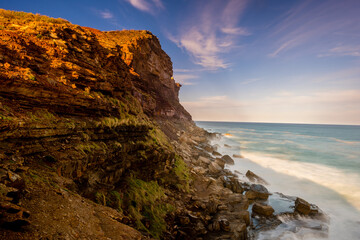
[292, 61]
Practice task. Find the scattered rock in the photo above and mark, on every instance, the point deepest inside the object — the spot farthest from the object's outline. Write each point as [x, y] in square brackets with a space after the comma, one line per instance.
[204, 160]
[228, 159]
[226, 145]
[302, 206]
[232, 183]
[215, 153]
[262, 209]
[255, 178]
[208, 148]
[257, 191]
[237, 156]
[214, 168]
[220, 162]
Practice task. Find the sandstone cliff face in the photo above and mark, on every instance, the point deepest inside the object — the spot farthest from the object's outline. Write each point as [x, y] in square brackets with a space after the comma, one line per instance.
[74, 102]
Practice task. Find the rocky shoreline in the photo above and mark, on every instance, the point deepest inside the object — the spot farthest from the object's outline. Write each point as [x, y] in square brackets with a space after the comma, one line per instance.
[242, 207]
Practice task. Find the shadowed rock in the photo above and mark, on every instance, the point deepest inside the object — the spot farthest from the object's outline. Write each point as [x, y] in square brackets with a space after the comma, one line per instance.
[257, 191]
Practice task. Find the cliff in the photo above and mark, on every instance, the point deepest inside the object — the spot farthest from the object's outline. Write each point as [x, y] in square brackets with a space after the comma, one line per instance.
[94, 143]
[77, 113]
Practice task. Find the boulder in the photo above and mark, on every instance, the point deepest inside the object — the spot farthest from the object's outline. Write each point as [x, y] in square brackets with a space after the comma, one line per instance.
[214, 168]
[255, 178]
[257, 191]
[232, 183]
[228, 159]
[302, 206]
[262, 209]
[208, 148]
[220, 162]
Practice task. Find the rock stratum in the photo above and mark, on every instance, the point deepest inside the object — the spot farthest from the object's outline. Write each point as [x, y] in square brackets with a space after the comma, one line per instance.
[94, 143]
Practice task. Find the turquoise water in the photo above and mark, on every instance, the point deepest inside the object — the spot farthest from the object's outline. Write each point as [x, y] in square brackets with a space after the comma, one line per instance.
[330, 145]
[320, 163]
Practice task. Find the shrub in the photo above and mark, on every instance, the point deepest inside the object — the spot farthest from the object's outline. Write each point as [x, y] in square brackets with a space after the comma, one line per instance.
[145, 203]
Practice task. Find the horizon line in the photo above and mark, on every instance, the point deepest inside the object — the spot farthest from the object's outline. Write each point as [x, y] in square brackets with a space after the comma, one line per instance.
[331, 124]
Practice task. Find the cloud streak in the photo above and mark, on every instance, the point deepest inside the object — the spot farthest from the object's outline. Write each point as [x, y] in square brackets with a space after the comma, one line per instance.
[149, 6]
[315, 23]
[211, 32]
[106, 14]
[343, 50]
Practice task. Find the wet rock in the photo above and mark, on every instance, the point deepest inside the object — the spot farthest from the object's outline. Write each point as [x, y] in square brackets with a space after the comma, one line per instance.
[208, 148]
[227, 146]
[314, 210]
[232, 183]
[237, 156]
[228, 159]
[262, 209]
[215, 153]
[302, 206]
[255, 178]
[257, 191]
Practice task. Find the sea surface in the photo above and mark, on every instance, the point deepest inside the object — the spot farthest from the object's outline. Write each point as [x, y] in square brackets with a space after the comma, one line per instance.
[320, 163]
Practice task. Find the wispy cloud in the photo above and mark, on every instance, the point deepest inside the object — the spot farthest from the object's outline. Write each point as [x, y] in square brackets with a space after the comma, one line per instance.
[343, 50]
[211, 32]
[316, 23]
[149, 6]
[106, 14]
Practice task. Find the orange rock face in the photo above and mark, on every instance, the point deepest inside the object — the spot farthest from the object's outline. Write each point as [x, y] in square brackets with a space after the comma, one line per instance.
[53, 62]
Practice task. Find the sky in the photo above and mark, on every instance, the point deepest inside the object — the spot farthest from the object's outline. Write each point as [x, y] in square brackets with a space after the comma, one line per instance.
[288, 61]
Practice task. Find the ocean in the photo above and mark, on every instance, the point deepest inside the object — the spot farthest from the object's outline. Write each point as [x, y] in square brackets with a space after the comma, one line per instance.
[319, 163]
